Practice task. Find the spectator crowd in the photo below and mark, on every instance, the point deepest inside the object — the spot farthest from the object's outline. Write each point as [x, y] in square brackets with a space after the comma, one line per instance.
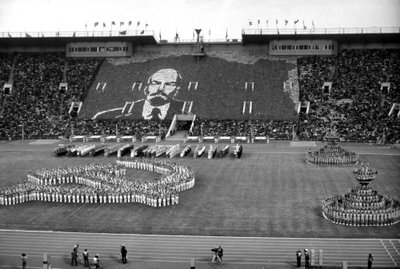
[355, 105]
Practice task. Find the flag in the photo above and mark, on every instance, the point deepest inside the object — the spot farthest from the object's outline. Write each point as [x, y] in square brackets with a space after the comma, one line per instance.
[142, 32]
[95, 24]
[122, 32]
[121, 23]
[104, 24]
[73, 35]
[138, 23]
[250, 23]
[296, 21]
[130, 23]
[286, 22]
[113, 23]
[9, 35]
[27, 35]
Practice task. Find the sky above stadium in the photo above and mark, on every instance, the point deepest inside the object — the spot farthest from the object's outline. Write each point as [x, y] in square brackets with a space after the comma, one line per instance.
[216, 18]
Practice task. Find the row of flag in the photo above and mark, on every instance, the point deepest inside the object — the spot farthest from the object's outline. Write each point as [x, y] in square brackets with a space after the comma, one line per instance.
[74, 34]
[286, 22]
[122, 23]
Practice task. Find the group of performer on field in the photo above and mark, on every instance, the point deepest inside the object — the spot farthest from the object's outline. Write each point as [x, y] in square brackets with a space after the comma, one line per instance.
[362, 206]
[103, 183]
[332, 155]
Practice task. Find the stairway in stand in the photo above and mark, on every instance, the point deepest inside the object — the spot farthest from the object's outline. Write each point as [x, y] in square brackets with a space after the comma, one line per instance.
[178, 136]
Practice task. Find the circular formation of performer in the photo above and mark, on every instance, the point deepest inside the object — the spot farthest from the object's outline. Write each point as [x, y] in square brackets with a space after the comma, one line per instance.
[332, 154]
[362, 206]
[103, 183]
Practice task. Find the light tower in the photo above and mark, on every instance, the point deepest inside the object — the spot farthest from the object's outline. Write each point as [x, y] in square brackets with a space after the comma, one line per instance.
[198, 48]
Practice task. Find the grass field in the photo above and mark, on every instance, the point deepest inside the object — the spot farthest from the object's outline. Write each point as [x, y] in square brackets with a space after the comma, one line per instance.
[270, 192]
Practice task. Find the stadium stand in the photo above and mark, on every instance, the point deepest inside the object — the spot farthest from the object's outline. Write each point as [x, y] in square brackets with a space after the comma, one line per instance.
[5, 67]
[221, 85]
[229, 98]
[355, 105]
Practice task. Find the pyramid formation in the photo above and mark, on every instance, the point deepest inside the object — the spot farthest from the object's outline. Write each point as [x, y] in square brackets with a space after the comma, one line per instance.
[332, 154]
[362, 206]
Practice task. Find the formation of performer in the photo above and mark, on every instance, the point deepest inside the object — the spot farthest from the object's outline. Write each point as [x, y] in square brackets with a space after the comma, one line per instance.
[362, 206]
[332, 155]
[103, 183]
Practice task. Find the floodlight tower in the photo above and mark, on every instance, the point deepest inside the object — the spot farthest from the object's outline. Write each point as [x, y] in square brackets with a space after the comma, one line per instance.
[198, 48]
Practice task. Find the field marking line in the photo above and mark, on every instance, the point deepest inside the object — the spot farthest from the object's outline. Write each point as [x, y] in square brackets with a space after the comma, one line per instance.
[388, 253]
[320, 181]
[69, 215]
[394, 247]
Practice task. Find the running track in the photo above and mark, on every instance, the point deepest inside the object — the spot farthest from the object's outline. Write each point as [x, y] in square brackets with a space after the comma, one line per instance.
[172, 250]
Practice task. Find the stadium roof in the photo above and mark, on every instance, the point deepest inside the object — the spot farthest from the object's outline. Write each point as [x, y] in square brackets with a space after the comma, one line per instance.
[48, 39]
[341, 35]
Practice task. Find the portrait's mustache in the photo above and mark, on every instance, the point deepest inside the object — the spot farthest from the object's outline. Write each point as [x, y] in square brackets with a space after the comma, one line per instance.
[158, 94]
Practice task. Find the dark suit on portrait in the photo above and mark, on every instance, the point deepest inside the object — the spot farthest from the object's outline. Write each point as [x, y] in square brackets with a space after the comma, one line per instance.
[141, 109]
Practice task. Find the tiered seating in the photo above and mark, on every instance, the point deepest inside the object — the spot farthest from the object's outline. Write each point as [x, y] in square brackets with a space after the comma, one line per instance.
[80, 74]
[219, 95]
[35, 102]
[37, 106]
[5, 67]
[357, 76]
[139, 128]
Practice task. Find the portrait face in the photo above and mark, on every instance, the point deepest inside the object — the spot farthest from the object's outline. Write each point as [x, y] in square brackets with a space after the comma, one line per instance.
[162, 86]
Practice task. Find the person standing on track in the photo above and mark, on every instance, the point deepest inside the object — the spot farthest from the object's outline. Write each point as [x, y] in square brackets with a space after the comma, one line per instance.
[24, 258]
[85, 258]
[370, 259]
[124, 252]
[74, 258]
[298, 257]
[307, 259]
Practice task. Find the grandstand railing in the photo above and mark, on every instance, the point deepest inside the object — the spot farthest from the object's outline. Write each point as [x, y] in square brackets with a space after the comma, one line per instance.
[318, 31]
[106, 33]
[93, 33]
[204, 41]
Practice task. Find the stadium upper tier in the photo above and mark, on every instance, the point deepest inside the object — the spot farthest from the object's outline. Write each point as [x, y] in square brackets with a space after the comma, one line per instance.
[217, 88]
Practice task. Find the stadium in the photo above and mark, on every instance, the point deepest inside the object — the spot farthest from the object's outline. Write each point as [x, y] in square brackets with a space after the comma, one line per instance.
[167, 108]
